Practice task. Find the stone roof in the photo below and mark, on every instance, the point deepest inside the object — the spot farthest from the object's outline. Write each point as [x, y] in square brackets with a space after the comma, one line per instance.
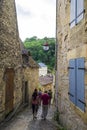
[24, 51]
[44, 80]
[42, 64]
[32, 63]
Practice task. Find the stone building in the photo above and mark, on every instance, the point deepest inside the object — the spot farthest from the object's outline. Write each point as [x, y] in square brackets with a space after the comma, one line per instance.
[71, 63]
[30, 76]
[46, 83]
[42, 69]
[10, 59]
[18, 71]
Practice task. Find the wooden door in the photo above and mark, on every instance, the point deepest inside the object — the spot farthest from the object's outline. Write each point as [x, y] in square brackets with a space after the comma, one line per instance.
[9, 96]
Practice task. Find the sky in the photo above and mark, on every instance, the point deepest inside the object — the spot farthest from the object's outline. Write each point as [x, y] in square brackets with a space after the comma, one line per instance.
[36, 18]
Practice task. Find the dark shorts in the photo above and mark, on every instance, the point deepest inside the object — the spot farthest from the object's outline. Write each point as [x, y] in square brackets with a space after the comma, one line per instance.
[34, 108]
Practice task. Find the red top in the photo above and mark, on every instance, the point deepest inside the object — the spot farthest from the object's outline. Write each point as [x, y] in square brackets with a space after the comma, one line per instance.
[36, 101]
[45, 99]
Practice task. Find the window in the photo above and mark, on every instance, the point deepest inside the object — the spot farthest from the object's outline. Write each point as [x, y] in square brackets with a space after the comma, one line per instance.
[76, 83]
[76, 12]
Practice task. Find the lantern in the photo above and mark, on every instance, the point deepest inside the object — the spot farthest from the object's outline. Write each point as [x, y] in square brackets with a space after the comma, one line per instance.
[46, 46]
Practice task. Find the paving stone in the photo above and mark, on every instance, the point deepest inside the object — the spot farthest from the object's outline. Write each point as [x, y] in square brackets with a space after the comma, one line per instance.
[24, 121]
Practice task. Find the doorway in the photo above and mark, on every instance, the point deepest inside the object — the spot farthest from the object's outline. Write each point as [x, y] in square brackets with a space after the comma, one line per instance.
[9, 91]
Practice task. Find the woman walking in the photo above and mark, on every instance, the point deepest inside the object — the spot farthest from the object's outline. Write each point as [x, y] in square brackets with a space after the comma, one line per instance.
[35, 103]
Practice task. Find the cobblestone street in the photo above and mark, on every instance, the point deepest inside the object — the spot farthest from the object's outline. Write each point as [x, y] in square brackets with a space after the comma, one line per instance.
[24, 121]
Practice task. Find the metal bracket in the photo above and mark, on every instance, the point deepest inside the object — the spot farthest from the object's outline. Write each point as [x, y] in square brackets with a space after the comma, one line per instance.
[70, 67]
[70, 94]
[81, 68]
[82, 102]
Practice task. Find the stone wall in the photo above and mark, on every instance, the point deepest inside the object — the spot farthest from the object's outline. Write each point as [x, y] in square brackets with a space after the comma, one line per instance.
[10, 53]
[72, 43]
[31, 75]
[47, 87]
[9, 37]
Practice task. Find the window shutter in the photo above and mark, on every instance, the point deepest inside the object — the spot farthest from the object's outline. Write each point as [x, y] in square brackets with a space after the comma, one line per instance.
[72, 80]
[80, 83]
[80, 10]
[72, 13]
[76, 12]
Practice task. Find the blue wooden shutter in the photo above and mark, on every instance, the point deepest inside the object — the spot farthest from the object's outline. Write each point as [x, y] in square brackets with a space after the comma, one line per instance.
[80, 83]
[80, 10]
[76, 12]
[72, 80]
[72, 13]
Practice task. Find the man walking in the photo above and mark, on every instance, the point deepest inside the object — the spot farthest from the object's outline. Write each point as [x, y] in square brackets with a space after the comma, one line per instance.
[45, 102]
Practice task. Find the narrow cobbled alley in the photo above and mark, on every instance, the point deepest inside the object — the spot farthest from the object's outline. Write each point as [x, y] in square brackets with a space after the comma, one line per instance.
[24, 121]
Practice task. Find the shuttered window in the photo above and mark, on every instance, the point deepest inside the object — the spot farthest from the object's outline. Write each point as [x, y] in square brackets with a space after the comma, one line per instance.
[76, 82]
[76, 12]
[72, 80]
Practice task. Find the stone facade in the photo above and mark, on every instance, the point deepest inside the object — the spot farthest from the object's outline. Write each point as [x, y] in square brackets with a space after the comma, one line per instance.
[31, 77]
[19, 74]
[10, 59]
[47, 83]
[42, 69]
[71, 44]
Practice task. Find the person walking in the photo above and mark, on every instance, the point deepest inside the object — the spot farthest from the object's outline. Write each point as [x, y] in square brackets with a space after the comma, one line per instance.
[35, 103]
[39, 94]
[45, 102]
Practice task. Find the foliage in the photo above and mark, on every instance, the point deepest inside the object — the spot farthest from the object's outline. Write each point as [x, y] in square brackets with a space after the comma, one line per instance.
[56, 118]
[35, 46]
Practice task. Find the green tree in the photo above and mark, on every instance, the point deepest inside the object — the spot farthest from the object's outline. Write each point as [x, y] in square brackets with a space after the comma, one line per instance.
[35, 46]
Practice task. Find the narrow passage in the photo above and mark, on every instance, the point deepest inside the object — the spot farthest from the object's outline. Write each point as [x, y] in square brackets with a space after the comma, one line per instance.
[24, 121]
